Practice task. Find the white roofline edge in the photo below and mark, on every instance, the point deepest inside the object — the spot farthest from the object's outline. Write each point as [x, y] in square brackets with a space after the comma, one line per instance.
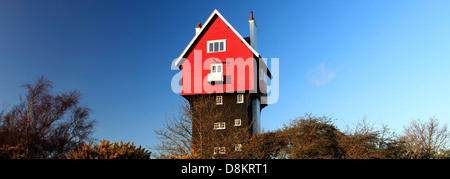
[180, 60]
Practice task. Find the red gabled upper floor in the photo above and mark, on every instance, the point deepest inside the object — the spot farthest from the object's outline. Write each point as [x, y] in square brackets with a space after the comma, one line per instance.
[220, 60]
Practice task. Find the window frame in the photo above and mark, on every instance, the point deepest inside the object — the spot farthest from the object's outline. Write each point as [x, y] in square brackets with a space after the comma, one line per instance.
[209, 50]
[242, 98]
[219, 125]
[222, 150]
[238, 147]
[215, 68]
[219, 150]
[219, 102]
[237, 122]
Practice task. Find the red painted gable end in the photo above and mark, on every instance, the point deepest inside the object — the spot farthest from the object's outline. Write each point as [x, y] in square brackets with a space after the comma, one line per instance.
[197, 65]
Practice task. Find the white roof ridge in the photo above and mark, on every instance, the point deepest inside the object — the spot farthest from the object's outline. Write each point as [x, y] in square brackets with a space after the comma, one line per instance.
[180, 60]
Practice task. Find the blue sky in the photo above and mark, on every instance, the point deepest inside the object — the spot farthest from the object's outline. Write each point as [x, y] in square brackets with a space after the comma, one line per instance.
[384, 60]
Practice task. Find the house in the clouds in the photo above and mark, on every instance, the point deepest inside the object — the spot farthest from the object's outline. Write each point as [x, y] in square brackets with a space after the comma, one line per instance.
[219, 62]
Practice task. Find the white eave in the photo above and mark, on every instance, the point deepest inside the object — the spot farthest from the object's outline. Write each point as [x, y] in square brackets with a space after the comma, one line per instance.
[180, 59]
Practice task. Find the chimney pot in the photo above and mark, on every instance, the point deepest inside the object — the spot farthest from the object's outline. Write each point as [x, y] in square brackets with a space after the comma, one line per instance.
[252, 24]
[197, 29]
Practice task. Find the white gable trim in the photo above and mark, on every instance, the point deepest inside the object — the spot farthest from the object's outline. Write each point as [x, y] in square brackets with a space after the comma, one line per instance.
[180, 59]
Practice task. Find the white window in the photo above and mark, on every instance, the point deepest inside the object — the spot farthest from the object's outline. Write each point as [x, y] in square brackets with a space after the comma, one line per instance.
[238, 147]
[219, 125]
[216, 68]
[219, 100]
[216, 46]
[237, 122]
[240, 98]
[216, 73]
[219, 150]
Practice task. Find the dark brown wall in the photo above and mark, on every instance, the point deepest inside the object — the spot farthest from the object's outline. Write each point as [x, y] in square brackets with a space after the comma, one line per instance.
[237, 110]
[233, 110]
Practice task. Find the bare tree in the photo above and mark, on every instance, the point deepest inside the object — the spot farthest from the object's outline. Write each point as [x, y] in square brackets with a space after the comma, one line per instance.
[311, 137]
[365, 141]
[425, 139]
[47, 125]
[176, 137]
[359, 141]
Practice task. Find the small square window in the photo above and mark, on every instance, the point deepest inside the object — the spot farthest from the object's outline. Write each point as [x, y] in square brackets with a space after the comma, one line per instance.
[237, 122]
[222, 150]
[240, 98]
[219, 100]
[219, 150]
[238, 147]
[219, 125]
